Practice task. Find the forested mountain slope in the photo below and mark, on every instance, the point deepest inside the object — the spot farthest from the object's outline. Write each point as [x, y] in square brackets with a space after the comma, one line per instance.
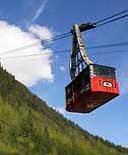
[29, 127]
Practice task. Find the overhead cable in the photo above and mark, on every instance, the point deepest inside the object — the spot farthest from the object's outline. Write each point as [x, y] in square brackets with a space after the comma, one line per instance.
[112, 20]
[37, 43]
[63, 52]
[64, 35]
[117, 14]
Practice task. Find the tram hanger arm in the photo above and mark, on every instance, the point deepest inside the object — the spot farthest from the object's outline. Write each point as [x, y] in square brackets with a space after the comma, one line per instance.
[86, 26]
[79, 52]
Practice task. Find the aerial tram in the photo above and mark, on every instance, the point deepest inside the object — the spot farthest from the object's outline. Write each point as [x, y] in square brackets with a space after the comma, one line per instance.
[92, 85]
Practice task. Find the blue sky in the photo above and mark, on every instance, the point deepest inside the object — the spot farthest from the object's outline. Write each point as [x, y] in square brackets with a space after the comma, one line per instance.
[110, 120]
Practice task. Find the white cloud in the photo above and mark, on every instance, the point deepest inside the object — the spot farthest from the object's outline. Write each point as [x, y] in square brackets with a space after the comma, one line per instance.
[41, 32]
[27, 70]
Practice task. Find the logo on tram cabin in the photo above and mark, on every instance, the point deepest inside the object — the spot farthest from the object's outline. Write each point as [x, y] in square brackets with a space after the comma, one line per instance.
[106, 83]
[92, 73]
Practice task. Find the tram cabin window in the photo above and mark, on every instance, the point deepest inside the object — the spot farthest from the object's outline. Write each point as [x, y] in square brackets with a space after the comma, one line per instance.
[102, 71]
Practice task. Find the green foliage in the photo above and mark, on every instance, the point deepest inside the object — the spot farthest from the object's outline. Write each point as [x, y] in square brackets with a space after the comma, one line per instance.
[29, 127]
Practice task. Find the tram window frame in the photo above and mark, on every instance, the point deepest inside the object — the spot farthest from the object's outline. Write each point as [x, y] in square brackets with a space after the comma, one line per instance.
[69, 91]
[105, 71]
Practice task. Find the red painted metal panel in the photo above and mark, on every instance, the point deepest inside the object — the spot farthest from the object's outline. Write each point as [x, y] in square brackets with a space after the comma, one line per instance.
[104, 84]
[85, 93]
[102, 90]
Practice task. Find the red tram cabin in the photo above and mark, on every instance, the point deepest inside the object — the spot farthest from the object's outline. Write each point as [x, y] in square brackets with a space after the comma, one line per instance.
[92, 88]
